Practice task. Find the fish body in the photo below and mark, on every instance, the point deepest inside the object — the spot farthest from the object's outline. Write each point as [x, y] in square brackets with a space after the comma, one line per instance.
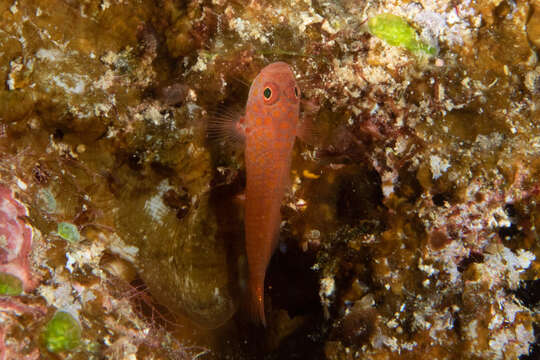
[270, 127]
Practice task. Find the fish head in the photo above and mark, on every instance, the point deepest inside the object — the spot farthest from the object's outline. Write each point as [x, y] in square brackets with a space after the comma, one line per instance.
[274, 98]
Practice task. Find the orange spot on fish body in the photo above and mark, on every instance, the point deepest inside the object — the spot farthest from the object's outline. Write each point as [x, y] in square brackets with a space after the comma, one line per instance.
[272, 111]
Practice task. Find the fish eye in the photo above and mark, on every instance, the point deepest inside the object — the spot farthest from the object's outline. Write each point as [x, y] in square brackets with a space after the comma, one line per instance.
[270, 93]
[292, 92]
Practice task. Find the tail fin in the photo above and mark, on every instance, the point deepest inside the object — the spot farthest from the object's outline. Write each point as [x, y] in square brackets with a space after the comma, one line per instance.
[256, 305]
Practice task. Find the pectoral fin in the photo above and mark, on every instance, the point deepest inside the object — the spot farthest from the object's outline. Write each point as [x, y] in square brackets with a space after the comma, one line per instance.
[226, 126]
[305, 129]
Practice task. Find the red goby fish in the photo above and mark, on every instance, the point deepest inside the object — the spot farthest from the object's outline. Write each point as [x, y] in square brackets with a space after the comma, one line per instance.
[271, 124]
[268, 128]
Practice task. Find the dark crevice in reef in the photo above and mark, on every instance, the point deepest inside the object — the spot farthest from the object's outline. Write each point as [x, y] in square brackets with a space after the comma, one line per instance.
[529, 293]
[305, 343]
[291, 283]
[293, 286]
[509, 232]
[409, 187]
[534, 349]
[359, 196]
[473, 258]
[440, 198]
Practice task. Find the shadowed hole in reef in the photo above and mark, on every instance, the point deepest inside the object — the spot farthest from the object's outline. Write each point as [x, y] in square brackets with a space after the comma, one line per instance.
[508, 232]
[440, 198]
[534, 349]
[473, 258]
[529, 295]
[292, 285]
[58, 134]
[408, 184]
[359, 195]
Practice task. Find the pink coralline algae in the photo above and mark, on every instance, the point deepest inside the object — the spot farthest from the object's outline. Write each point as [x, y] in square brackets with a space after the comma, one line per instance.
[15, 239]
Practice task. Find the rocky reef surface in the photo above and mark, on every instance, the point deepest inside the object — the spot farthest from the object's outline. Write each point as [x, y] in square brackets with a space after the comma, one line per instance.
[411, 226]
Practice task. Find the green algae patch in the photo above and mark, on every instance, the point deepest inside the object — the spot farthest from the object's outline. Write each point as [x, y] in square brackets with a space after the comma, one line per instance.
[62, 333]
[397, 32]
[68, 232]
[10, 285]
